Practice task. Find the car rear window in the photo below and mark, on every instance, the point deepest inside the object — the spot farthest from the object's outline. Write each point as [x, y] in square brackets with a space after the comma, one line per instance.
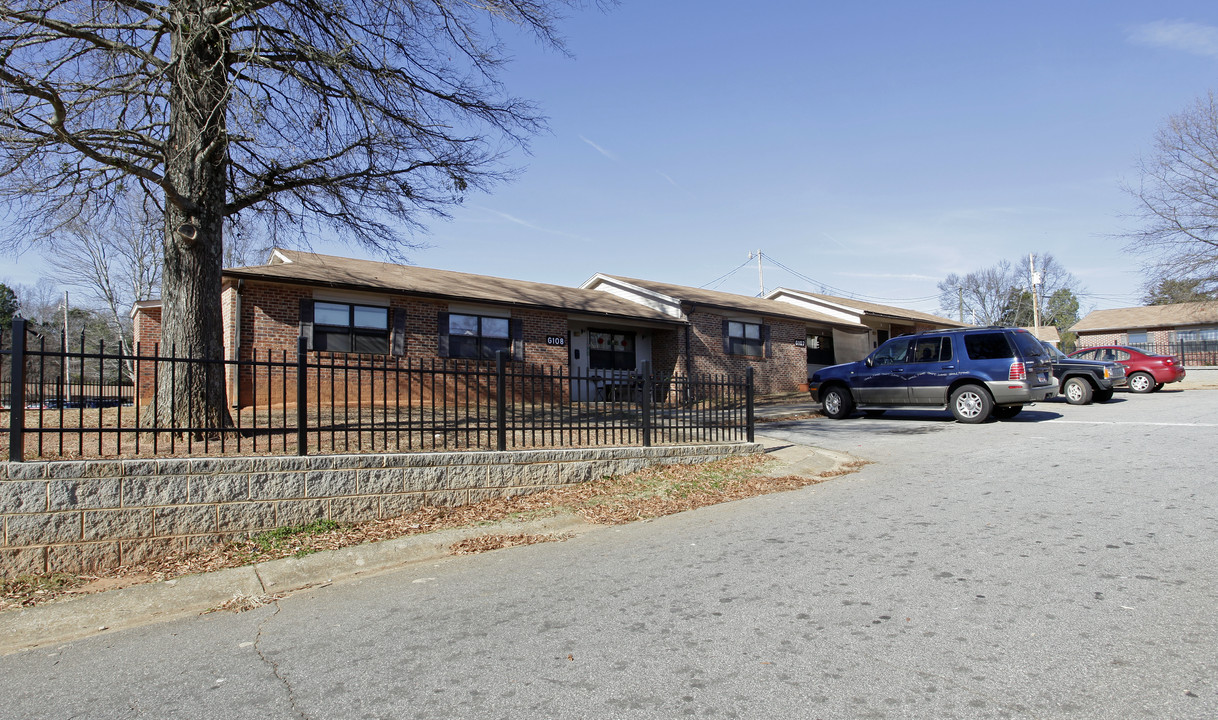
[1028, 345]
[988, 346]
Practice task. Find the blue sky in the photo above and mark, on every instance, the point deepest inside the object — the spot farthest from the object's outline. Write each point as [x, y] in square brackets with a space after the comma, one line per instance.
[873, 147]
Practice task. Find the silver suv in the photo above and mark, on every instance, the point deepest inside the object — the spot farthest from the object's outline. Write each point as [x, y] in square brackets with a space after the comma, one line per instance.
[974, 372]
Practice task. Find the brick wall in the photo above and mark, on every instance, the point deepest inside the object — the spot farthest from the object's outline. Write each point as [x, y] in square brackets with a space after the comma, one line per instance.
[147, 334]
[783, 371]
[82, 516]
[271, 321]
[270, 326]
[1162, 336]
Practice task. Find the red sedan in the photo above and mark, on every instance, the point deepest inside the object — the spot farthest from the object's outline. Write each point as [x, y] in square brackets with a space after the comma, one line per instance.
[1146, 373]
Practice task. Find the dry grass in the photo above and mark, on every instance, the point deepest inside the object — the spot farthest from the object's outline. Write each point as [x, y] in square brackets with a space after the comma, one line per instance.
[653, 492]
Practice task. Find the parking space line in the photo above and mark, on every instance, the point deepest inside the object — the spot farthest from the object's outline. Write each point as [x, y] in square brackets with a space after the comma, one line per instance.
[1133, 422]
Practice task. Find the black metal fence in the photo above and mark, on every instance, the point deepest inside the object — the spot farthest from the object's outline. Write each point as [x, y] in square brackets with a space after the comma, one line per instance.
[306, 402]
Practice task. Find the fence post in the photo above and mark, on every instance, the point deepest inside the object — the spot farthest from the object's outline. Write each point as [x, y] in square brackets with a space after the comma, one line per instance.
[501, 400]
[748, 401]
[302, 396]
[16, 413]
[647, 398]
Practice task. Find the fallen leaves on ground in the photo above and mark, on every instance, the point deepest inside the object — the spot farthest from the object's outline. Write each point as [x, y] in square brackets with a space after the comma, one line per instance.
[613, 500]
[239, 603]
[483, 543]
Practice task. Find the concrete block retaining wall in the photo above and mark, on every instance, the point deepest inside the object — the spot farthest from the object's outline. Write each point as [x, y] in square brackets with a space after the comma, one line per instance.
[82, 516]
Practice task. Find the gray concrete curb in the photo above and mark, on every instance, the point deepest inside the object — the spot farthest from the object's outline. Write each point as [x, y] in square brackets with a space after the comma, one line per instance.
[86, 615]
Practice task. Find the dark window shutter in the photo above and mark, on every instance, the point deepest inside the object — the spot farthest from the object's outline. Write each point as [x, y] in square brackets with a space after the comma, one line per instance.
[727, 341]
[516, 332]
[306, 321]
[398, 341]
[765, 337]
[442, 334]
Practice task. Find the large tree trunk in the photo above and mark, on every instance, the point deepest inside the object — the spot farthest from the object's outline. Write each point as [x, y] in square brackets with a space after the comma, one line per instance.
[192, 395]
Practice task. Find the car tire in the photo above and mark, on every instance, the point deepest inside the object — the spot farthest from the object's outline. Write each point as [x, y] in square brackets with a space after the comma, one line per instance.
[1102, 395]
[1006, 412]
[971, 404]
[1141, 383]
[1077, 391]
[874, 413]
[836, 403]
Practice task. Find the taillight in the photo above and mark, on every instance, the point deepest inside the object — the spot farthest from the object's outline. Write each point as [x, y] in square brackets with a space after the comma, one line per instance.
[1168, 360]
[1018, 372]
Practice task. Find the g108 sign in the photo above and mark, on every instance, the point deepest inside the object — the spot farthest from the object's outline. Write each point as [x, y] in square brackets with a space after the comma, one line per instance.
[556, 340]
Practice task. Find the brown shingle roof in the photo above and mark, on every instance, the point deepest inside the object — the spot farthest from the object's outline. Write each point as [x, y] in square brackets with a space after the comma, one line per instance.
[1048, 333]
[1150, 316]
[339, 272]
[885, 310]
[739, 303]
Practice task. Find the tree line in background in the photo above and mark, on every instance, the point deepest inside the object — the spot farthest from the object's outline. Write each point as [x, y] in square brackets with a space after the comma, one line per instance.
[1003, 294]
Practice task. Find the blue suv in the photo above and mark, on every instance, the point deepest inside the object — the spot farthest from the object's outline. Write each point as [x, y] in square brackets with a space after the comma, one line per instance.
[974, 372]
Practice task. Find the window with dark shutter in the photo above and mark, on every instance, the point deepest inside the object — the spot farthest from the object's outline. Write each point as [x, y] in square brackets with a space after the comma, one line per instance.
[350, 328]
[745, 338]
[477, 337]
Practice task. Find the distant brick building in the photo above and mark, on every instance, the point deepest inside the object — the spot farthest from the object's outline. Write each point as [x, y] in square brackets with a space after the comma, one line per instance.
[1195, 322]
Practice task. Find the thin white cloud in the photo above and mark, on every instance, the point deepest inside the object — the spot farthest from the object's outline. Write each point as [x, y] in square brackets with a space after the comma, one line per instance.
[672, 182]
[531, 226]
[834, 240]
[599, 149]
[1188, 37]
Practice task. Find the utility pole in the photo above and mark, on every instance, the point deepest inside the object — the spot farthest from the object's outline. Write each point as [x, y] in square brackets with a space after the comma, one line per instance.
[1035, 298]
[760, 277]
[960, 296]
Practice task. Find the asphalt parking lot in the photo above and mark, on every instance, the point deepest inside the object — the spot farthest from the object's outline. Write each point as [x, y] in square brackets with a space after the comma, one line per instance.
[1063, 564]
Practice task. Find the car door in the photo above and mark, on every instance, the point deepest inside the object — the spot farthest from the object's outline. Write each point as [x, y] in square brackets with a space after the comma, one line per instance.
[882, 379]
[931, 370]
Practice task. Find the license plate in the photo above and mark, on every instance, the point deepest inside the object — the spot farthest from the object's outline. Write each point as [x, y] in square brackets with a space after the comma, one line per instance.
[1040, 377]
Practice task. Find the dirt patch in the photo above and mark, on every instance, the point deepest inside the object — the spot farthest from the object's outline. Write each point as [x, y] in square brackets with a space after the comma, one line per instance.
[653, 492]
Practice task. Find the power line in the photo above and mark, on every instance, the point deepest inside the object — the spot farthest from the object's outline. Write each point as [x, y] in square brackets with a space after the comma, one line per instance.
[719, 280]
[848, 293]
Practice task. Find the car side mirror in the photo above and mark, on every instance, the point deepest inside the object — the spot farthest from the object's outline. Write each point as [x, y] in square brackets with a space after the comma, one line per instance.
[869, 362]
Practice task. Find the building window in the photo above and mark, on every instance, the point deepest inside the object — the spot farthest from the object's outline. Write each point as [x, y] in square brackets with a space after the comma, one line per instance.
[820, 350]
[1136, 338]
[1195, 336]
[745, 338]
[611, 350]
[344, 327]
[476, 337]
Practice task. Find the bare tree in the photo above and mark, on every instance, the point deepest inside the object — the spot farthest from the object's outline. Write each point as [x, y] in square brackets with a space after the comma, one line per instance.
[115, 258]
[1002, 294]
[980, 296]
[360, 118]
[1177, 199]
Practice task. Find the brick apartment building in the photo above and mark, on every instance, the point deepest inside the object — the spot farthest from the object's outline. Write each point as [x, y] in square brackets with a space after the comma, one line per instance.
[608, 325]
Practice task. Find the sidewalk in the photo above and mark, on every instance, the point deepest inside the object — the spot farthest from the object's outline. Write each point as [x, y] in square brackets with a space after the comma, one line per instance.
[85, 615]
